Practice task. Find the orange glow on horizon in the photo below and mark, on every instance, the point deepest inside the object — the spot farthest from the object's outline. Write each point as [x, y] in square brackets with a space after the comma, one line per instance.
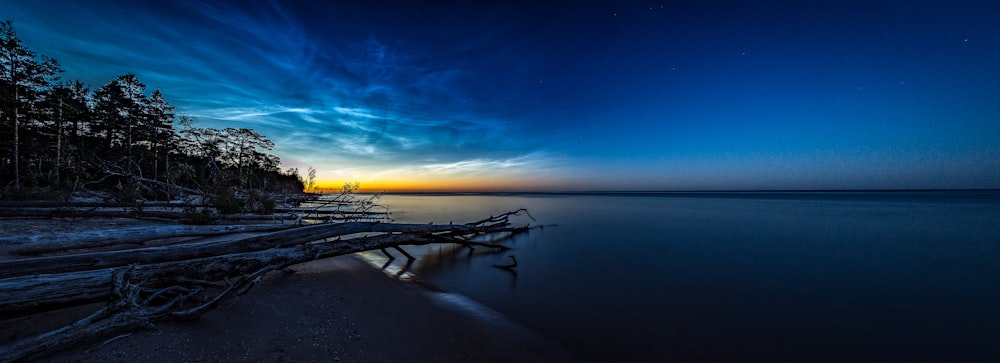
[429, 185]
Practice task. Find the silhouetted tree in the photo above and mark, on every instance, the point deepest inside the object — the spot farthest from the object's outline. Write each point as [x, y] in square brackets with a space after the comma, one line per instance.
[115, 135]
[70, 116]
[160, 132]
[25, 77]
[119, 110]
[244, 149]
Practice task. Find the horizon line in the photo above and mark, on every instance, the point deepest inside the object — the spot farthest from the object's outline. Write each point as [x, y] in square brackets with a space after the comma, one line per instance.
[699, 191]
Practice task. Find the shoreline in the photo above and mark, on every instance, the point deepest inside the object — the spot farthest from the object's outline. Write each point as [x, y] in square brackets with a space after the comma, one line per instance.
[338, 309]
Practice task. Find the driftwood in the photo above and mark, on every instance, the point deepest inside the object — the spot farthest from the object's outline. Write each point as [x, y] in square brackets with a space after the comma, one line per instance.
[14, 205]
[46, 243]
[26, 295]
[170, 186]
[126, 312]
[327, 212]
[170, 213]
[70, 205]
[145, 285]
[98, 260]
[136, 211]
[183, 211]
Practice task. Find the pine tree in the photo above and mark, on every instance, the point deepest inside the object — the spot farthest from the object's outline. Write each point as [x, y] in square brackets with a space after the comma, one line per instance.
[161, 135]
[24, 79]
[120, 108]
[58, 135]
[68, 114]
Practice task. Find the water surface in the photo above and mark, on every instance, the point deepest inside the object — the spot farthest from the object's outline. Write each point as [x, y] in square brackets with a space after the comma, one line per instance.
[736, 276]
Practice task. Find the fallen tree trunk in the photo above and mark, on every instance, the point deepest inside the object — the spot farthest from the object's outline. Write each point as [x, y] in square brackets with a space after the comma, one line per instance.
[71, 212]
[59, 204]
[14, 205]
[171, 186]
[136, 211]
[25, 295]
[45, 243]
[35, 284]
[326, 212]
[128, 311]
[300, 235]
[28, 295]
[146, 292]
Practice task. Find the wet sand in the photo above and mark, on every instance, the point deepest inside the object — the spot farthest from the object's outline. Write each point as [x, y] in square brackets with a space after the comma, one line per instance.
[338, 309]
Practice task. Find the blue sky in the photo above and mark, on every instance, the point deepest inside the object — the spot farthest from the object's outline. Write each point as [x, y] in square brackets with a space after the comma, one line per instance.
[563, 96]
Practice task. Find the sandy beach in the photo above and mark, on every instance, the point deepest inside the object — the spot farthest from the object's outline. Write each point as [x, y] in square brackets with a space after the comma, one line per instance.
[339, 309]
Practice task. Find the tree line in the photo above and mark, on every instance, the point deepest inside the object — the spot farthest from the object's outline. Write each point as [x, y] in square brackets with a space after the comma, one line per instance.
[58, 137]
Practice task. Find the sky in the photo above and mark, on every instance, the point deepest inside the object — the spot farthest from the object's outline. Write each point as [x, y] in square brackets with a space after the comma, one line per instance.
[567, 96]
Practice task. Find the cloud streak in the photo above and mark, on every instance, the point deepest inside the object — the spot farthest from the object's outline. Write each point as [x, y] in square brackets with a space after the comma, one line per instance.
[668, 99]
[327, 101]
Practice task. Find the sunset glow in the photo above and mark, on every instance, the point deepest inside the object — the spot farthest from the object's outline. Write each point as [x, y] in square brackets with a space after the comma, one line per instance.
[615, 96]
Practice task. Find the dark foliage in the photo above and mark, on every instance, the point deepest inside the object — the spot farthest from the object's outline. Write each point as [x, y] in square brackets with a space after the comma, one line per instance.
[60, 137]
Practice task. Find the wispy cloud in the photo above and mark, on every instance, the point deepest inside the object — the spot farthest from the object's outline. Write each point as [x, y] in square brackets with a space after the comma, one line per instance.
[326, 100]
[538, 167]
[478, 165]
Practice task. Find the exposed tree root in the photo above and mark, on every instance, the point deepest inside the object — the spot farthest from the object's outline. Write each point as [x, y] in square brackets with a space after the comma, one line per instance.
[147, 285]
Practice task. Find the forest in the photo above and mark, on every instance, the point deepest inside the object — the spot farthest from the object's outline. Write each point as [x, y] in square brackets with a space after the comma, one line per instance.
[59, 137]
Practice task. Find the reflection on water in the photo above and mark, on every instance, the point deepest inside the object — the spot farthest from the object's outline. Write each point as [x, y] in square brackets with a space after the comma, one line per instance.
[380, 261]
[735, 277]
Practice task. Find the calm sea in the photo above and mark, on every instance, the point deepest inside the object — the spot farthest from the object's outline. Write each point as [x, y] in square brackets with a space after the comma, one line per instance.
[795, 277]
